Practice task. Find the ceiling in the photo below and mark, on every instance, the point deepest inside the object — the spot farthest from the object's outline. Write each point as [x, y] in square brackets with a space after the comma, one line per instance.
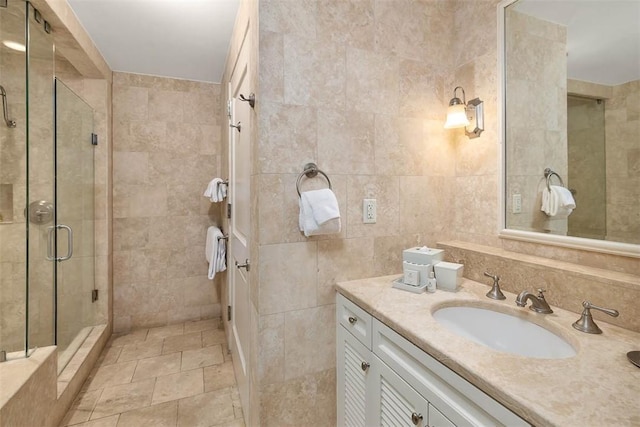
[185, 39]
[603, 37]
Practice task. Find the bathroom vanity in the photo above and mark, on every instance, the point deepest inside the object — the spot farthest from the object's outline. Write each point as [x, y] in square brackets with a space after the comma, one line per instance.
[396, 365]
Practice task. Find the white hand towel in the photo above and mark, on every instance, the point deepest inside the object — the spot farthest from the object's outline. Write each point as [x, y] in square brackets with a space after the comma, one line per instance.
[215, 251]
[319, 213]
[212, 190]
[557, 203]
[324, 205]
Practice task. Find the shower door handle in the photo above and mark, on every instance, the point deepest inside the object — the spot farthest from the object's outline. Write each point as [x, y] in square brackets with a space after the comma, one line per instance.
[69, 242]
[51, 243]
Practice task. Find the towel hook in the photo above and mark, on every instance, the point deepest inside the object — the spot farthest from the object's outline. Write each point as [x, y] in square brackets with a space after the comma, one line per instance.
[311, 171]
[238, 126]
[251, 99]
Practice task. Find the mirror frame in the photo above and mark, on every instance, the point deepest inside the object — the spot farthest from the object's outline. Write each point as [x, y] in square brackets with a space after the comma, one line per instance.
[601, 246]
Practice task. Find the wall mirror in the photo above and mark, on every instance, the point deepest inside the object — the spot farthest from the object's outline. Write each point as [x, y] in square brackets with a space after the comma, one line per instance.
[570, 97]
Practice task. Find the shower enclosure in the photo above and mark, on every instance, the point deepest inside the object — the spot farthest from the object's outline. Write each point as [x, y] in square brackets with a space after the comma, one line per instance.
[46, 195]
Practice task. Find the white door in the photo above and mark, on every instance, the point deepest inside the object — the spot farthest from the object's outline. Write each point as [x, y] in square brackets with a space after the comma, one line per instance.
[240, 222]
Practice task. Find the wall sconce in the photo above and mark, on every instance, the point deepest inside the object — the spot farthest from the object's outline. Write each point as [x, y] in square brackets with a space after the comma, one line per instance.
[469, 116]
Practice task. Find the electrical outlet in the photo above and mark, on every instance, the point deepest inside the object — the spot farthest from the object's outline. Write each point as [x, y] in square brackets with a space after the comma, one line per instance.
[369, 211]
[516, 203]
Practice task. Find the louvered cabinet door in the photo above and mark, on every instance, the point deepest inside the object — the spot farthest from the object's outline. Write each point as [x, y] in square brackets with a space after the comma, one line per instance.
[353, 368]
[395, 402]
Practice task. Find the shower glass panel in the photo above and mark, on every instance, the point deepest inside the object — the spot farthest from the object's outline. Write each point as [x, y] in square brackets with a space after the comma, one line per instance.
[76, 314]
[13, 183]
[41, 179]
[587, 166]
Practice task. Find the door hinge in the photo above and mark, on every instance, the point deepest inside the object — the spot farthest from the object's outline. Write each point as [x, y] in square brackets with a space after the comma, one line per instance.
[229, 108]
[228, 210]
[229, 313]
[94, 295]
[94, 139]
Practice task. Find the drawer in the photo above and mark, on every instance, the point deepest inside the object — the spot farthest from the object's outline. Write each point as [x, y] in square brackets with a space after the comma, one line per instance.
[354, 319]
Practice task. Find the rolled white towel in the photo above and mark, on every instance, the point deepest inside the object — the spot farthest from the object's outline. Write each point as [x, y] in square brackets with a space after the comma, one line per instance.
[557, 202]
[212, 191]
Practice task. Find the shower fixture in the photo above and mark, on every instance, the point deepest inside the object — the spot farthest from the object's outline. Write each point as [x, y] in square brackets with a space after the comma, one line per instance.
[5, 109]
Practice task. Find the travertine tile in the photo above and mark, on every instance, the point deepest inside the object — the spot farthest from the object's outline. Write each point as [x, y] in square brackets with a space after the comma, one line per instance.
[206, 409]
[182, 342]
[345, 142]
[340, 260]
[135, 336]
[82, 407]
[177, 386]
[110, 421]
[219, 376]
[157, 366]
[140, 350]
[165, 331]
[271, 364]
[306, 400]
[346, 23]
[201, 325]
[213, 337]
[105, 376]
[285, 280]
[123, 398]
[161, 415]
[304, 329]
[202, 357]
[375, 74]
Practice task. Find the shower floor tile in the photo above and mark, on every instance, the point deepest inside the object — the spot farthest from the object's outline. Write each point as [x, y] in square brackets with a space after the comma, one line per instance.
[176, 375]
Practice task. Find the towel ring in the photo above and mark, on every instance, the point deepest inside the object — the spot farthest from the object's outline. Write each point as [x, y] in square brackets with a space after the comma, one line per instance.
[311, 171]
[548, 173]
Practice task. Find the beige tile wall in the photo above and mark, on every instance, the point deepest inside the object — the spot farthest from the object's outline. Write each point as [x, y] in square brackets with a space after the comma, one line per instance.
[358, 88]
[166, 149]
[587, 173]
[622, 117]
[537, 131]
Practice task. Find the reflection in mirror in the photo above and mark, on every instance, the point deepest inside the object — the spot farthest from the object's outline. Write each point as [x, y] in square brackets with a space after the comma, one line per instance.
[572, 104]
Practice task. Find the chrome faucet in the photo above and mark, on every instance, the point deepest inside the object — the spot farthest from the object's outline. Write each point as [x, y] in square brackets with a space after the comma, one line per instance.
[586, 324]
[538, 303]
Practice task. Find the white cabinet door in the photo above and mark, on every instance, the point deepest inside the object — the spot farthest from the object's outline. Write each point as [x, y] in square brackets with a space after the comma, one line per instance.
[354, 384]
[395, 403]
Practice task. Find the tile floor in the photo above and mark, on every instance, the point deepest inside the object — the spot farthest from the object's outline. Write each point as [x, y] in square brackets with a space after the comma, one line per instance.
[179, 376]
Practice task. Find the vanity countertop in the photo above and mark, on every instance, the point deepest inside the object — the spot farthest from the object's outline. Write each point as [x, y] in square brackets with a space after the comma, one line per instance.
[598, 386]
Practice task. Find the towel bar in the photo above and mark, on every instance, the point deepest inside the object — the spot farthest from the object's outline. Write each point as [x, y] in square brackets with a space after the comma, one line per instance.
[223, 238]
[548, 173]
[311, 171]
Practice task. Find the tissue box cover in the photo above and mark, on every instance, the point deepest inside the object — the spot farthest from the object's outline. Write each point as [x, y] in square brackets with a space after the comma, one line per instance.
[448, 275]
[418, 256]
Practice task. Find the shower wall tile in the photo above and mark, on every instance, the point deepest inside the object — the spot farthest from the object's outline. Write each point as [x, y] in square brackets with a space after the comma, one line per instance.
[166, 150]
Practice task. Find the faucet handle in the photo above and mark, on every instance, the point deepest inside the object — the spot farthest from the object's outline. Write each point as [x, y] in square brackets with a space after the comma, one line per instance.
[541, 292]
[495, 292]
[586, 323]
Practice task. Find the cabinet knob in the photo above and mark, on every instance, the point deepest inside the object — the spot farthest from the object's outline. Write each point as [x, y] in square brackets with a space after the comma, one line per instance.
[352, 320]
[416, 418]
[365, 365]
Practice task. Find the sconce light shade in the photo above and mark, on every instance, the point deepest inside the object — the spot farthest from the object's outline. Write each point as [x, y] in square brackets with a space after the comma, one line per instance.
[456, 117]
[470, 116]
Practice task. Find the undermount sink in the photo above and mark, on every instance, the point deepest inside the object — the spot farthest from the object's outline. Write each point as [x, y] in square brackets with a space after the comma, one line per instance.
[503, 332]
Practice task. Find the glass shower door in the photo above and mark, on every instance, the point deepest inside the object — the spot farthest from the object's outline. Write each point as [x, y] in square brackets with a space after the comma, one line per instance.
[75, 283]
